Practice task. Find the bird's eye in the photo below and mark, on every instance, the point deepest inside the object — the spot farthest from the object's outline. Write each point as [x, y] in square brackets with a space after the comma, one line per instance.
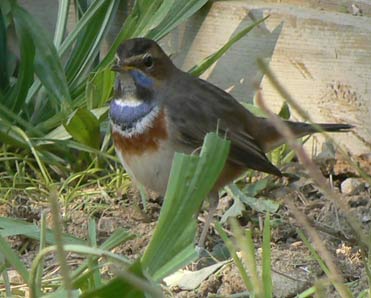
[148, 61]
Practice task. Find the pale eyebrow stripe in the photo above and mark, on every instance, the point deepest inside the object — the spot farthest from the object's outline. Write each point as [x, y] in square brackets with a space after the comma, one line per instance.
[135, 58]
[117, 58]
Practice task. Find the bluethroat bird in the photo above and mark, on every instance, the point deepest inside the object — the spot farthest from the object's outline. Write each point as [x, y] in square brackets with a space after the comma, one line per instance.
[158, 110]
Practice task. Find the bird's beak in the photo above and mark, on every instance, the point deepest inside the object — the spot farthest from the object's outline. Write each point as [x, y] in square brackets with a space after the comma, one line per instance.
[121, 68]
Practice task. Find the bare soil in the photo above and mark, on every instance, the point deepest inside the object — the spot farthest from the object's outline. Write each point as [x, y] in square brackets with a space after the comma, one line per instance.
[294, 268]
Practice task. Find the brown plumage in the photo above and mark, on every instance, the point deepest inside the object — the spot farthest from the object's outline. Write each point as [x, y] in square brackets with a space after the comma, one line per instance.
[190, 108]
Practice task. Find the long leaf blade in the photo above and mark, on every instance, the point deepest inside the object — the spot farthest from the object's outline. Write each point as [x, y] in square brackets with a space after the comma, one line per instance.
[201, 68]
[47, 63]
[191, 179]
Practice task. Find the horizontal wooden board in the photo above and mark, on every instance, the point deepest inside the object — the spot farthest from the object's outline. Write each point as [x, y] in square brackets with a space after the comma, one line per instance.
[322, 57]
[320, 51]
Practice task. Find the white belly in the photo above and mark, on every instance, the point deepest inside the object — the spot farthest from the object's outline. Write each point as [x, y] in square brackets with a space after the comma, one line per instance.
[151, 168]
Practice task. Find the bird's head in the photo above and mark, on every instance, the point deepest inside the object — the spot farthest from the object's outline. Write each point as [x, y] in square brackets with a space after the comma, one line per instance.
[145, 61]
[142, 69]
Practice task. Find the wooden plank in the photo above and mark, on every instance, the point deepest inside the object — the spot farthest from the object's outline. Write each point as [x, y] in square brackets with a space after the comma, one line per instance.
[319, 50]
[322, 57]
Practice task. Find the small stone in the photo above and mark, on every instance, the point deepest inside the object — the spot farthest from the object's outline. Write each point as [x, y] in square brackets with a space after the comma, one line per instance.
[366, 218]
[14, 277]
[351, 186]
[106, 225]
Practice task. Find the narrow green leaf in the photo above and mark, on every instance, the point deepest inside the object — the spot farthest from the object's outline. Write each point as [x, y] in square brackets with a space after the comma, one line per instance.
[190, 280]
[4, 76]
[13, 259]
[232, 249]
[63, 293]
[100, 113]
[159, 15]
[176, 14]
[253, 189]
[254, 109]
[119, 288]
[248, 249]
[84, 127]
[246, 245]
[261, 205]
[79, 249]
[16, 96]
[99, 88]
[285, 111]
[236, 210]
[12, 227]
[266, 259]
[117, 238]
[191, 179]
[201, 68]
[40, 269]
[83, 22]
[310, 293]
[87, 45]
[60, 27]
[132, 27]
[95, 280]
[341, 288]
[59, 133]
[48, 67]
[314, 253]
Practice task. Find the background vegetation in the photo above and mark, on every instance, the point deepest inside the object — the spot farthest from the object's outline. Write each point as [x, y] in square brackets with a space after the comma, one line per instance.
[56, 143]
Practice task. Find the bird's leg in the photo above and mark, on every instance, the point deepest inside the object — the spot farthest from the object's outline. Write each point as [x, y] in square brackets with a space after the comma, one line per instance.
[213, 204]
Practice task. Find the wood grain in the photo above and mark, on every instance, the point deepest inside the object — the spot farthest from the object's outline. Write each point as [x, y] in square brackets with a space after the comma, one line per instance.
[319, 51]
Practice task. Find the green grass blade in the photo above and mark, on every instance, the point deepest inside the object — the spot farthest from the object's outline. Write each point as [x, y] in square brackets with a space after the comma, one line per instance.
[307, 293]
[177, 12]
[201, 68]
[256, 204]
[80, 26]
[12, 227]
[117, 238]
[246, 245]
[236, 259]
[4, 76]
[47, 64]
[79, 249]
[60, 27]
[39, 272]
[99, 88]
[84, 127]
[153, 19]
[70, 39]
[95, 279]
[131, 283]
[88, 43]
[314, 253]
[17, 95]
[6, 113]
[266, 259]
[132, 27]
[191, 179]
[13, 259]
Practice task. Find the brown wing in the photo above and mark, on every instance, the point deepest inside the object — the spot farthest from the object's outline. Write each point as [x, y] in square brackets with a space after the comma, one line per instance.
[206, 108]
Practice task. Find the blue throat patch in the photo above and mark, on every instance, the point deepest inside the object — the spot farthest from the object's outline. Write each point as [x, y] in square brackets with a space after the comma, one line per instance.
[126, 116]
[141, 79]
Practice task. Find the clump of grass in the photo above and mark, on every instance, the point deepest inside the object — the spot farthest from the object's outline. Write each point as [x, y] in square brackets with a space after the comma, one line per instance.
[192, 176]
[55, 142]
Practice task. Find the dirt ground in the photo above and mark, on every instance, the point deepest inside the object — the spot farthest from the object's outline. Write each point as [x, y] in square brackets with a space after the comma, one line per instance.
[294, 269]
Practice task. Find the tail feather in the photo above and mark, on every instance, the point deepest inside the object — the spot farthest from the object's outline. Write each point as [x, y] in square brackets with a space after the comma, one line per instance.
[335, 127]
[301, 129]
[270, 138]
